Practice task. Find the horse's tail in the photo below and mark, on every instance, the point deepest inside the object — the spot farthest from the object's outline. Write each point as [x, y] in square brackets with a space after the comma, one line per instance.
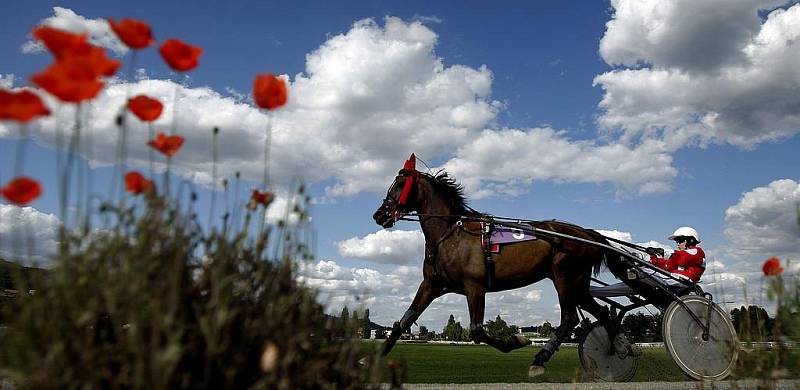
[612, 260]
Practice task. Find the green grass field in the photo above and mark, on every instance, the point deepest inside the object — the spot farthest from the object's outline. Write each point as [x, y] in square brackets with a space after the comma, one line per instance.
[443, 363]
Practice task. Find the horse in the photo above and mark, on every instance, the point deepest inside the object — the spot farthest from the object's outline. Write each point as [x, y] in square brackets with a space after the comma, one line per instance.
[456, 261]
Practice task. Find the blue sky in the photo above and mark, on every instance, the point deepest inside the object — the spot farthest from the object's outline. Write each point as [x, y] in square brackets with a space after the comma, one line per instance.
[627, 116]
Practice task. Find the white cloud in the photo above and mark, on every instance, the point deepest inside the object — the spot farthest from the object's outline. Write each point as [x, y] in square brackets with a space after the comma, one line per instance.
[616, 234]
[27, 235]
[764, 223]
[388, 294]
[716, 73]
[681, 33]
[99, 32]
[362, 89]
[403, 247]
[546, 154]
[7, 80]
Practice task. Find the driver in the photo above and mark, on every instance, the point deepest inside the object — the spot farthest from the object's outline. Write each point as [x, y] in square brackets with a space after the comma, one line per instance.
[688, 261]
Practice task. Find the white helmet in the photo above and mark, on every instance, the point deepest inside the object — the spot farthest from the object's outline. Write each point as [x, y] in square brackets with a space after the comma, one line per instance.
[685, 231]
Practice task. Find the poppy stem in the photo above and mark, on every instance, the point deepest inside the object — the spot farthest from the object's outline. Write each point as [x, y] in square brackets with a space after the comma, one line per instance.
[236, 210]
[175, 94]
[65, 185]
[131, 66]
[166, 178]
[267, 145]
[214, 157]
[150, 136]
[120, 121]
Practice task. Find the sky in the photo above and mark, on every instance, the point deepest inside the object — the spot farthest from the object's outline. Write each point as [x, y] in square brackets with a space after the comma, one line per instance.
[633, 117]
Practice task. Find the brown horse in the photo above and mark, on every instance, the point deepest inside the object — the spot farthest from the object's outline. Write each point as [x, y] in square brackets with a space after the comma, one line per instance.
[455, 260]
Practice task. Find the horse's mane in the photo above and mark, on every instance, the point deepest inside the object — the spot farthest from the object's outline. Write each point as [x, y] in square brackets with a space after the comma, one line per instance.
[453, 192]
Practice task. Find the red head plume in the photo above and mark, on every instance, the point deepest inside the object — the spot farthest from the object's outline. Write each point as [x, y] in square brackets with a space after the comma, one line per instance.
[411, 163]
[410, 168]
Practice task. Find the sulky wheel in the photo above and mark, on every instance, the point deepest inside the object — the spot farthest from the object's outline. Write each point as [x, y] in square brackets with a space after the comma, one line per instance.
[593, 352]
[708, 359]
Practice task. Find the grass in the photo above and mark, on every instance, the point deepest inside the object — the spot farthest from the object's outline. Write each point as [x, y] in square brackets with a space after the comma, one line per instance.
[443, 363]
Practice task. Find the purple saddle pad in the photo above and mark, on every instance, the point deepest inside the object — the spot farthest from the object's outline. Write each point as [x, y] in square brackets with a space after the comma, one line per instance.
[506, 235]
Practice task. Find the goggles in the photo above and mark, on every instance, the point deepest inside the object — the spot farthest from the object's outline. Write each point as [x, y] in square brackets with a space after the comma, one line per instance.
[681, 239]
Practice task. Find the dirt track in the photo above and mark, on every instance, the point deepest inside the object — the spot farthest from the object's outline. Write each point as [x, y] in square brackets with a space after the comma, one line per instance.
[746, 384]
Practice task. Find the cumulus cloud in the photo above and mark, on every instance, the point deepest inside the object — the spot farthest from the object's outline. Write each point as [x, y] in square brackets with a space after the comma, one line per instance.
[27, 235]
[764, 223]
[361, 88]
[99, 32]
[389, 293]
[547, 154]
[714, 72]
[403, 247]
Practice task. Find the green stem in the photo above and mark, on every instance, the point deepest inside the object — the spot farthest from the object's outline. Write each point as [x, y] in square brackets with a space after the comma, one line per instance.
[214, 157]
[70, 161]
[267, 145]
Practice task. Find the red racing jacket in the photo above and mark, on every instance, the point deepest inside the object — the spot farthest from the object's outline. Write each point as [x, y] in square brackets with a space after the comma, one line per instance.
[690, 263]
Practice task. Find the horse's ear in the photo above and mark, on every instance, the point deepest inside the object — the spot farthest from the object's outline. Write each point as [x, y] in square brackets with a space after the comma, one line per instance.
[411, 163]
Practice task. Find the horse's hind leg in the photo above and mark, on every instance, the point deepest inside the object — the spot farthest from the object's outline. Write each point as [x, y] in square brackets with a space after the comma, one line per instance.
[569, 319]
[476, 299]
[426, 293]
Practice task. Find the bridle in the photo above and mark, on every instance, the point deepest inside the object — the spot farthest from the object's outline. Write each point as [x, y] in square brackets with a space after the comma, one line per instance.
[398, 207]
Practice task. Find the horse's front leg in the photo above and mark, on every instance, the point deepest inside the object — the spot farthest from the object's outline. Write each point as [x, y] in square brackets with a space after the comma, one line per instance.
[426, 293]
[476, 299]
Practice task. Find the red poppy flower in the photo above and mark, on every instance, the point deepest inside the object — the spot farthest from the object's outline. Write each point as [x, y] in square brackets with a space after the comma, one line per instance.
[62, 43]
[269, 91]
[180, 55]
[22, 190]
[772, 267]
[136, 183]
[21, 106]
[145, 107]
[167, 145]
[70, 80]
[260, 198]
[134, 33]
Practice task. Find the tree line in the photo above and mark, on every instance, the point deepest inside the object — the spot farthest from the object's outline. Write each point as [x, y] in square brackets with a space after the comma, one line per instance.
[752, 323]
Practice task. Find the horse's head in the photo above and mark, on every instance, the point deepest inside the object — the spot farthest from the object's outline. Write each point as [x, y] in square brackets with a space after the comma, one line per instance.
[400, 197]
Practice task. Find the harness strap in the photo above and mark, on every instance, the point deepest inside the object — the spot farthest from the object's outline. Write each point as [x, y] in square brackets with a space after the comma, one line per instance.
[487, 253]
[433, 250]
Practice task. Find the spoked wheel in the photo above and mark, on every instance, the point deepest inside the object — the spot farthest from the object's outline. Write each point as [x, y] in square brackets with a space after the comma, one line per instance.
[593, 352]
[709, 359]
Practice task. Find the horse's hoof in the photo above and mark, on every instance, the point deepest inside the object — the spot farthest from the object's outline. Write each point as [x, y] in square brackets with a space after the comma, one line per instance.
[534, 371]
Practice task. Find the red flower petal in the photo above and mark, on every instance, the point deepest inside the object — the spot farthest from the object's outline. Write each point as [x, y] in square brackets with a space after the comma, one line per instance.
[772, 267]
[269, 91]
[136, 183]
[22, 190]
[179, 55]
[167, 145]
[21, 106]
[134, 33]
[62, 43]
[145, 107]
[73, 77]
[263, 198]
[69, 80]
